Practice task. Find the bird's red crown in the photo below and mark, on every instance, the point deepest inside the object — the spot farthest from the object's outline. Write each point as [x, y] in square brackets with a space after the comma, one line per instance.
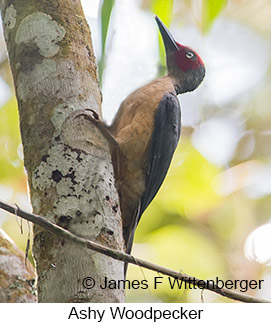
[187, 59]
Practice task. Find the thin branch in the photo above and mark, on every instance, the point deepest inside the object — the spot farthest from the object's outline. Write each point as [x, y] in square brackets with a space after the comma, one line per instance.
[55, 229]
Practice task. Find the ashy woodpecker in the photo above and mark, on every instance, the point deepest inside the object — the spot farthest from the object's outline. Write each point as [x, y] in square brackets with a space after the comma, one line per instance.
[146, 131]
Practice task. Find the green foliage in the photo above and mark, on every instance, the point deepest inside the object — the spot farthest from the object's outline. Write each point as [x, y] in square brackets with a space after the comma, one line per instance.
[163, 9]
[205, 260]
[188, 188]
[187, 192]
[11, 166]
[174, 246]
[210, 11]
[105, 19]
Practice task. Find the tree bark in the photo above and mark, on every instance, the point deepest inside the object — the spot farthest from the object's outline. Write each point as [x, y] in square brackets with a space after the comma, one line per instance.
[67, 159]
[17, 276]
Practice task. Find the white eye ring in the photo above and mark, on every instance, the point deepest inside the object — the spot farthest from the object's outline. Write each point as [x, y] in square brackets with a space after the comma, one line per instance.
[189, 55]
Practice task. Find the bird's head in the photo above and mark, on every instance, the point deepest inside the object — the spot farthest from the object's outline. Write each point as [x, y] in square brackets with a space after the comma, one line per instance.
[184, 65]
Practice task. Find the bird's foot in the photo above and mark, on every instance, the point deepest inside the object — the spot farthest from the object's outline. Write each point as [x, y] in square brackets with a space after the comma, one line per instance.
[93, 117]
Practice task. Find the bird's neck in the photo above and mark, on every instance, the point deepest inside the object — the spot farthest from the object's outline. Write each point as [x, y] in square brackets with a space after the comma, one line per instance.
[178, 83]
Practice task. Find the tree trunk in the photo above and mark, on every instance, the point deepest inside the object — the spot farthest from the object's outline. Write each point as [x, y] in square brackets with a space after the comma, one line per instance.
[67, 159]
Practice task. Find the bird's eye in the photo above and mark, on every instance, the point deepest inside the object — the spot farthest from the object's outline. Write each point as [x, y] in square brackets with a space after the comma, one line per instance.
[189, 55]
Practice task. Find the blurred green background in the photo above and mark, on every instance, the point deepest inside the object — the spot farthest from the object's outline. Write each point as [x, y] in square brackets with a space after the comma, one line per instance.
[211, 216]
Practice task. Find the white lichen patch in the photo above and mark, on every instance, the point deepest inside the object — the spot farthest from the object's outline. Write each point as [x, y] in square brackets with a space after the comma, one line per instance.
[33, 82]
[81, 211]
[79, 196]
[36, 202]
[66, 174]
[10, 17]
[60, 113]
[41, 29]
[50, 172]
[56, 81]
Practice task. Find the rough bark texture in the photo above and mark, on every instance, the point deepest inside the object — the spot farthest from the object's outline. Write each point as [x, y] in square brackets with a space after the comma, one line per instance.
[67, 159]
[16, 280]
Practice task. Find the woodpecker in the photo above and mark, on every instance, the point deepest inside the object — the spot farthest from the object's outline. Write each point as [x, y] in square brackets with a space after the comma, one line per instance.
[146, 131]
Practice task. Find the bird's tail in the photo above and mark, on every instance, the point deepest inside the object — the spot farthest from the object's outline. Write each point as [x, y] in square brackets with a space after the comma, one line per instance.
[129, 241]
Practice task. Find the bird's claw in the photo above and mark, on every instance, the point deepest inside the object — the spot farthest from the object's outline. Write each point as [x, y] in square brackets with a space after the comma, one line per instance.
[94, 118]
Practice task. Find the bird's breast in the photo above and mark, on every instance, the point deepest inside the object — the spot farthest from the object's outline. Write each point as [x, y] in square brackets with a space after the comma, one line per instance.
[132, 129]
